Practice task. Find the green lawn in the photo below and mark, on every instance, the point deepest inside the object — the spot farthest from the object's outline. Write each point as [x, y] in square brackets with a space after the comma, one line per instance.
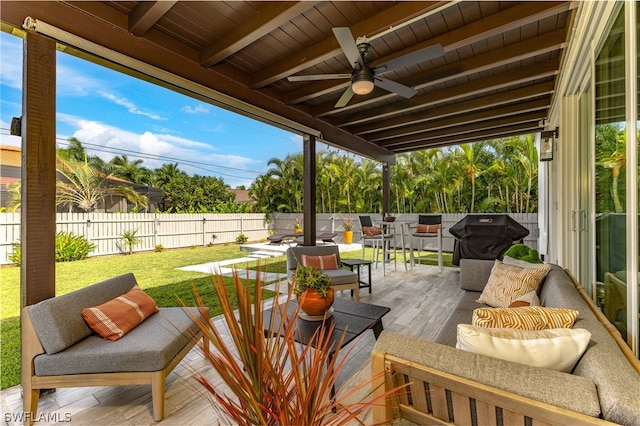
[155, 272]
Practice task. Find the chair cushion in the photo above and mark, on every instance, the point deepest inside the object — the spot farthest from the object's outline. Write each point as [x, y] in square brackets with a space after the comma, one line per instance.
[58, 321]
[115, 318]
[370, 231]
[341, 276]
[151, 346]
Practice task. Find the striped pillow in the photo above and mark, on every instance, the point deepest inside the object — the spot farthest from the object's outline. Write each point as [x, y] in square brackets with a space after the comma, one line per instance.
[524, 318]
[117, 317]
[507, 283]
[329, 261]
[427, 229]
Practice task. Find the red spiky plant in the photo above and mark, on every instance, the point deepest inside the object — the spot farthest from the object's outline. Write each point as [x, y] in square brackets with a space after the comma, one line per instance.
[270, 379]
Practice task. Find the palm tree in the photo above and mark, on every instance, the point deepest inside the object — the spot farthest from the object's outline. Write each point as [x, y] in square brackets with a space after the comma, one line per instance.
[130, 170]
[85, 187]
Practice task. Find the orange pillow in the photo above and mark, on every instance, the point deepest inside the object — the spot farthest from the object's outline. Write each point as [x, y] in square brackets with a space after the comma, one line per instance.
[329, 261]
[428, 229]
[370, 231]
[117, 317]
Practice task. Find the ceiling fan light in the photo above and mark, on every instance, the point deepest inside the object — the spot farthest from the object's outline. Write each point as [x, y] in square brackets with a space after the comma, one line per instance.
[361, 86]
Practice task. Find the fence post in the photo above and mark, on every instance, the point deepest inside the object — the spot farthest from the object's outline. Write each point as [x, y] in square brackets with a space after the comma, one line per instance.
[204, 223]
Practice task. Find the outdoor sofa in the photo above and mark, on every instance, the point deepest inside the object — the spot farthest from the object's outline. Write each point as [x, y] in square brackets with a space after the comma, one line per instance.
[455, 386]
[60, 350]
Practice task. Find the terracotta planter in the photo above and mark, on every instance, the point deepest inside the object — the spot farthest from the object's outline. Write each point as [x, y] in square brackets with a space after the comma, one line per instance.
[313, 304]
[348, 237]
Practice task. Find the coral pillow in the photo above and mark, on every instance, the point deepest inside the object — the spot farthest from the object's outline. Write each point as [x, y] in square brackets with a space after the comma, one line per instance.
[428, 229]
[329, 261]
[117, 317]
[526, 318]
[529, 299]
[507, 283]
[370, 231]
[556, 349]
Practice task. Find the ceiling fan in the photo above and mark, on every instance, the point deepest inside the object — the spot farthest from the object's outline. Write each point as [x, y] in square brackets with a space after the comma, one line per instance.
[364, 77]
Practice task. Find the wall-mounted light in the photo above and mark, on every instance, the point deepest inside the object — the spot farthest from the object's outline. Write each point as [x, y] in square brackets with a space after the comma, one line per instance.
[547, 144]
[16, 126]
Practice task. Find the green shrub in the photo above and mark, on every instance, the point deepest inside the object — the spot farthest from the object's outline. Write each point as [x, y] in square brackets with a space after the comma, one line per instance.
[241, 239]
[159, 247]
[69, 247]
[523, 252]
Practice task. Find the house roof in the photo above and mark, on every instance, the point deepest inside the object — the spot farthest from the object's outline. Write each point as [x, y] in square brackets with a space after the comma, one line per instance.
[496, 78]
[10, 156]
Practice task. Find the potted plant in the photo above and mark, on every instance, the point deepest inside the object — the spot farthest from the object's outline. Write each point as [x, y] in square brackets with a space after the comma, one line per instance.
[297, 225]
[312, 288]
[347, 225]
[266, 381]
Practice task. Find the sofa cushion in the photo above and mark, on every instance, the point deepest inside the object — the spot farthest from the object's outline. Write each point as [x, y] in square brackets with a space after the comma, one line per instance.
[507, 283]
[58, 321]
[474, 274]
[115, 318]
[151, 346]
[328, 261]
[341, 276]
[555, 349]
[524, 318]
[553, 387]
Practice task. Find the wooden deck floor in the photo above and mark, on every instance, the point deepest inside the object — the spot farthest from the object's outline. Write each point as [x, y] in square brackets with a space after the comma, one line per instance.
[420, 301]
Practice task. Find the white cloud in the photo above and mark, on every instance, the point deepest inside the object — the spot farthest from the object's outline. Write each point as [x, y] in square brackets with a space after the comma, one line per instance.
[6, 138]
[130, 106]
[73, 83]
[11, 62]
[173, 148]
[199, 109]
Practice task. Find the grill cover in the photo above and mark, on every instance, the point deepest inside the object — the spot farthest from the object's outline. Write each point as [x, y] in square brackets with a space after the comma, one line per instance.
[485, 236]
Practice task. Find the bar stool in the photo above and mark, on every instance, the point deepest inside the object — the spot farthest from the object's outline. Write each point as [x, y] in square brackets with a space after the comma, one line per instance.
[380, 241]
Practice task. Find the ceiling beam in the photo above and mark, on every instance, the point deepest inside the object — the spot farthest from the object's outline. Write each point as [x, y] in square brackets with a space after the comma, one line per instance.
[182, 61]
[146, 14]
[516, 52]
[329, 47]
[541, 90]
[540, 104]
[475, 87]
[475, 127]
[267, 18]
[515, 130]
[482, 29]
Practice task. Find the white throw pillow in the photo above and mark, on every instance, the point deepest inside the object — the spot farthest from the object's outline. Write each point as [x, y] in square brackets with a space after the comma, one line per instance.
[555, 349]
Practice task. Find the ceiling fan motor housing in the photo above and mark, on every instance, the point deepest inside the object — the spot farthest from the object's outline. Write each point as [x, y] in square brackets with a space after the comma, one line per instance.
[362, 81]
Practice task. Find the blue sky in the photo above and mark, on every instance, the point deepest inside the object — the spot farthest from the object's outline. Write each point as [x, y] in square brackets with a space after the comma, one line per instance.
[115, 114]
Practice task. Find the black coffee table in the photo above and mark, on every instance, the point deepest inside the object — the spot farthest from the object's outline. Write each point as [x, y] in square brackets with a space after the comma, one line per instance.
[354, 317]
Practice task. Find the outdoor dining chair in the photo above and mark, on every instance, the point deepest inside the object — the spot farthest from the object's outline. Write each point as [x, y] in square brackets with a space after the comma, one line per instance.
[380, 239]
[429, 226]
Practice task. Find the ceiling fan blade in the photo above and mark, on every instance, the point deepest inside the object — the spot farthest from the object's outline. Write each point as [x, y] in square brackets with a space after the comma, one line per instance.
[348, 45]
[310, 77]
[409, 59]
[392, 86]
[345, 98]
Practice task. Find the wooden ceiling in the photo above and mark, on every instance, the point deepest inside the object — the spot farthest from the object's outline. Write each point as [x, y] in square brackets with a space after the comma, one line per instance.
[497, 76]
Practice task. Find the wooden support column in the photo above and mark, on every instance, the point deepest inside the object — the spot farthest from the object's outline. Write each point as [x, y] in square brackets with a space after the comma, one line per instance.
[38, 174]
[309, 196]
[386, 189]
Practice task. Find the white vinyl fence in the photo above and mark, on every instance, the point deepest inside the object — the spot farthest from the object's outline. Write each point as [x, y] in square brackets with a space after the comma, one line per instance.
[169, 230]
[185, 230]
